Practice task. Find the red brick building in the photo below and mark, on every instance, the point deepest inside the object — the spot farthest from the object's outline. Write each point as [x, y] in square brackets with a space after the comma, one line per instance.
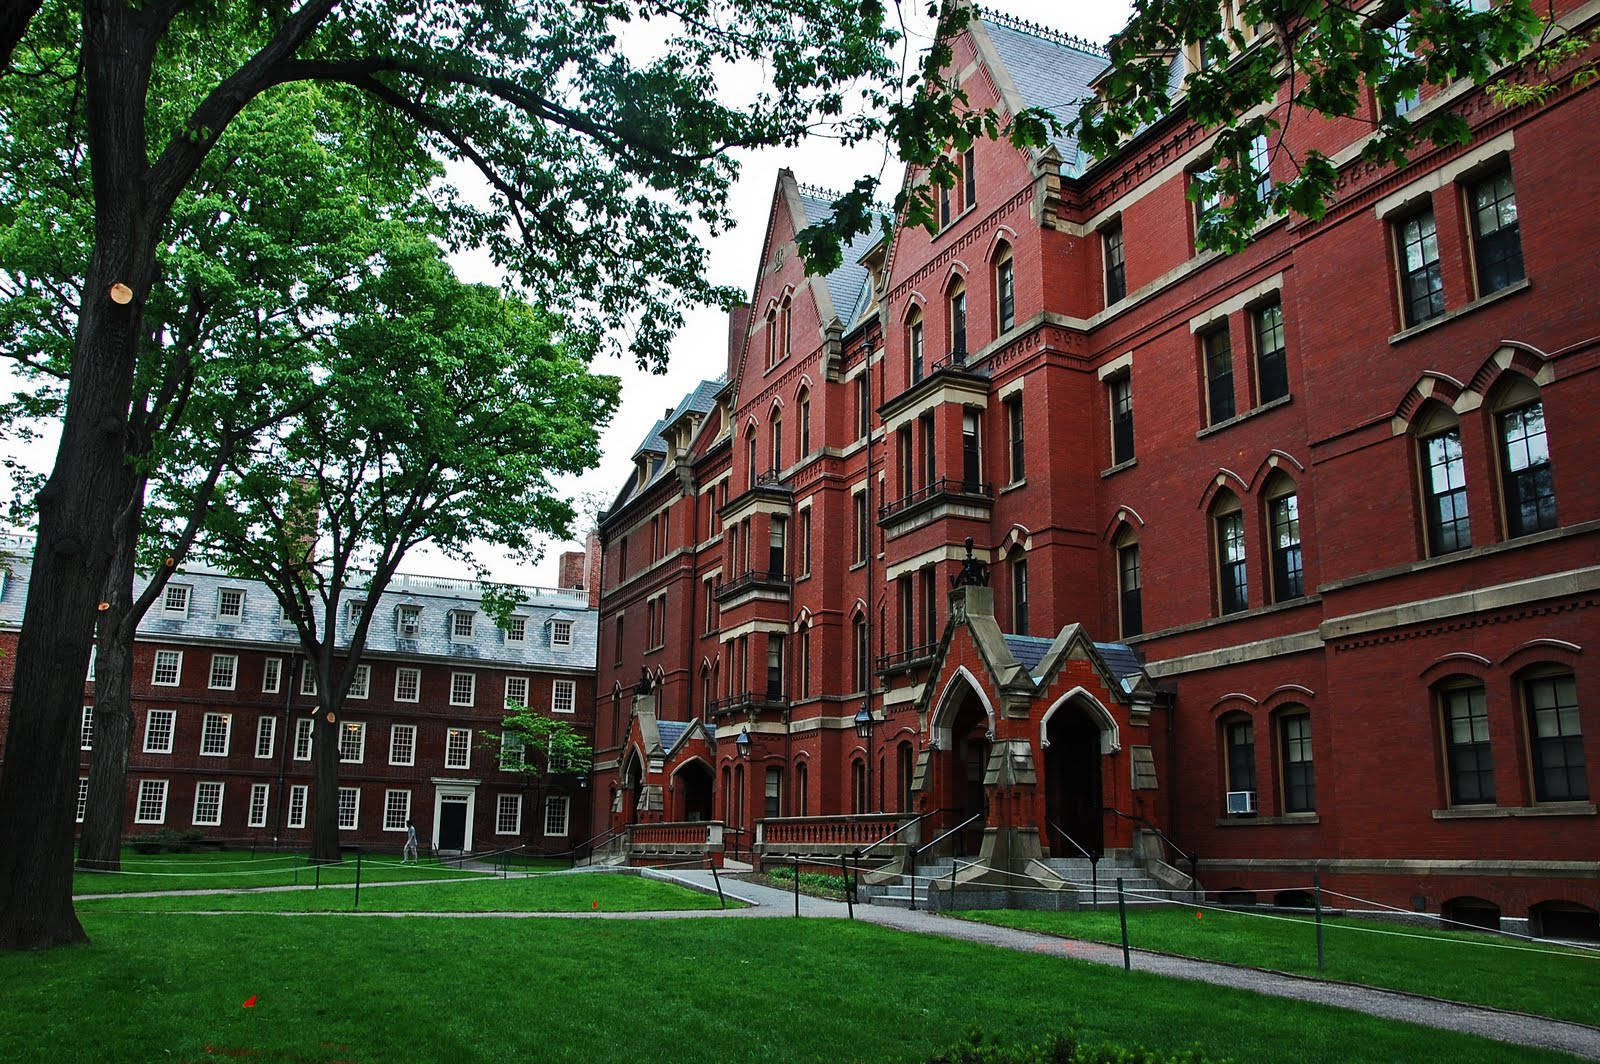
[1324, 504]
[223, 705]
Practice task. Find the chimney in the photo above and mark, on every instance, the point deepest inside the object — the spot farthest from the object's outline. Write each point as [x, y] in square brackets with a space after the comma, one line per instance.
[572, 566]
[592, 569]
[738, 325]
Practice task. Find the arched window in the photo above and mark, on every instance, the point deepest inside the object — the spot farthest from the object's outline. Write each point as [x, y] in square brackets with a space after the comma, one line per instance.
[1444, 480]
[804, 403]
[1130, 603]
[772, 338]
[1296, 770]
[1283, 525]
[1233, 576]
[1526, 482]
[1005, 289]
[858, 642]
[905, 765]
[777, 439]
[786, 338]
[750, 455]
[958, 322]
[802, 790]
[914, 346]
[1017, 562]
[858, 786]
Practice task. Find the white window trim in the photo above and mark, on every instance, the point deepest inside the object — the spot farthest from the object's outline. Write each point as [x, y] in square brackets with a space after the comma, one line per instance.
[224, 618]
[405, 816]
[195, 816]
[138, 805]
[572, 700]
[520, 638]
[172, 730]
[308, 725]
[268, 723]
[395, 728]
[155, 669]
[408, 670]
[233, 675]
[83, 799]
[566, 819]
[301, 791]
[472, 627]
[188, 596]
[401, 628]
[526, 690]
[355, 819]
[360, 727]
[498, 802]
[466, 761]
[86, 729]
[555, 626]
[308, 680]
[361, 683]
[227, 734]
[271, 670]
[265, 791]
[472, 695]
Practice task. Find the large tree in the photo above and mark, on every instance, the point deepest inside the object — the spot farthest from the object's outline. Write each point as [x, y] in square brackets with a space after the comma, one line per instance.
[445, 410]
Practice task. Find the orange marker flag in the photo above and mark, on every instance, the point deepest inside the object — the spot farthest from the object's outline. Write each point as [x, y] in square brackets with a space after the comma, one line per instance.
[250, 1002]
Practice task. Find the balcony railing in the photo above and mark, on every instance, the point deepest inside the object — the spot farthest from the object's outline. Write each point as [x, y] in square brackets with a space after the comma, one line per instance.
[805, 831]
[745, 700]
[957, 361]
[751, 578]
[972, 489]
[909, 658]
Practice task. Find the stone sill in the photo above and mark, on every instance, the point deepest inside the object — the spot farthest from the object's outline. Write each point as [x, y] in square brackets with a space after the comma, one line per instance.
[1014, 485]
[1466, 308]
[1246, 416]
[1119, 467]
[1268, 821]
[1483, 812]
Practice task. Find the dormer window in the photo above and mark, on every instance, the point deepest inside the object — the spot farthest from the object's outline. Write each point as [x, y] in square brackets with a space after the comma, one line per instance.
[408, 622]
[352, 611]
[461, 626]
[561, 633]
[517, 630]
[230, 604]
[176, 601]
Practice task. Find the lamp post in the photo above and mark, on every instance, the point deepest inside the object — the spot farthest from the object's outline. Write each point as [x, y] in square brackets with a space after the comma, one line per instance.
[864, 728]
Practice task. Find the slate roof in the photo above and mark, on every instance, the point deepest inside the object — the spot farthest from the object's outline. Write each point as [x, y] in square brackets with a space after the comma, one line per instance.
[1051, 71]
[845, 284]
[1121, 659]
[1029, 650]
[701, 399]
[675, 732]
[438, 598]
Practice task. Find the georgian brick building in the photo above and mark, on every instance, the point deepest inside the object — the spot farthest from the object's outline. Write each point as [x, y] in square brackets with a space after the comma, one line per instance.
[1290, 553]
[223, 705]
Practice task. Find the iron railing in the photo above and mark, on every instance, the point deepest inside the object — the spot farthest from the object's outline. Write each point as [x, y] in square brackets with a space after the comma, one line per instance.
[775, 578]
[908, 658]
[977, 489]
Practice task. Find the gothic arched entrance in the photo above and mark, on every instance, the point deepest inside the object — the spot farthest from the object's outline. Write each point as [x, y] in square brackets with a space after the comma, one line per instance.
[1074, 799]
[692, 787]
[632, 783]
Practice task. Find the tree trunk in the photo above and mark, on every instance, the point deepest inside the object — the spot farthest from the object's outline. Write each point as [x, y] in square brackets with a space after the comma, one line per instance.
[325, 783]
[73, 550]
[100, 840]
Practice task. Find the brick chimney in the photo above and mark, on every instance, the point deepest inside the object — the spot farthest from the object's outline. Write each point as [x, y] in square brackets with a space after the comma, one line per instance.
[592, 568]
[572, 566]
[738, 325]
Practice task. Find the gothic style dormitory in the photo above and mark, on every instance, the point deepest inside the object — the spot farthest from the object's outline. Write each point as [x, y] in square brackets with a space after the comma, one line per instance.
[1055, 527]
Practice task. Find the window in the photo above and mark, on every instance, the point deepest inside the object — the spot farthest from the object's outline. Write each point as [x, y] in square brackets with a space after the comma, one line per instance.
[958, 325]
[859, 503]
[461, 626]
[750, 456]
[516, 691]
[969, 171]
[458, 748]
[863, 406]
[297, 806]
[774, 667]
[777, 441]
[971, 451]
[308, 680]
[224, 671]
[1272, 363]
[176, 600]
[83, 798]
[513, 751]
[94, 654]
[215, 730]
[349, 808]
[1530, 495]
[777, 550]
[1219, 375]
[1240, 737]
[302, 738]
[208, 804]
[1005, 291]
[556, 808]
[271, 676]
[908, 612]
[944, 209]
[1398, 40]
[772, 338]
[616, 642]
[1557, 739]
[361, 682]
[151, 807]
[407, 684]
[1121, 419]
[1421, 281]
[561, 633]
[1014, 430]
[352, 612]
[772, 805]
[930, 605]
[352, 742]
[862, 663]
[1288, 564]
[785, 342]
[1129, 602]
[1261, 166]
[1299, 772]
[805, 542]
[86, 729]
[1116, 271]
[914, 348]
[259, 793]
[1496, 235]
[158, 726]
[508, 814]
[402, 744]
[1233, 580]
[516, 630]
[463, 688]
[1467, 753]
[1019, 594]
[804, 655]
[396, 810]
[266, 735]
[563, 696]
[1444, 488]
[230, 604]
[408, 622]
[168, 668]
[858, 787]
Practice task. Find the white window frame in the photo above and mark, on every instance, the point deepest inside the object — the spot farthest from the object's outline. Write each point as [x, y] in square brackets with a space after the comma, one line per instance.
[86, 729]
[410, 731]
[408, 621]
[501, 807]
[357, 728]
[266, 735]
[308, 680]
[517, 699]
[234, 617]
[157, 792]
[389, 807]
[513, 751]
[296, 817]
[305, 729]
[227, 734]
[361, 683]
[260, 799]
[556, 637]
[94, 654]
[183, 592]
[271, 676]
[551, 804]
[202, 788]
[570, 687]
[461, 625]
[517, 630]
[450, 760]
[174, 658]
[230, 662]
[83, 798]
[171, 717]
[355, 808]
[471, 695]
[416, 691]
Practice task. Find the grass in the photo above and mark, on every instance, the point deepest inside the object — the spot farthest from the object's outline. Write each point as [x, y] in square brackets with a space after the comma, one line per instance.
[239, 869]
[1459, 965]
[537, 894]
[172, 986]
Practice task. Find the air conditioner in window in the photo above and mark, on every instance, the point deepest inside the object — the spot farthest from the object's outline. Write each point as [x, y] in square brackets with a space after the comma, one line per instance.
[1241, 802]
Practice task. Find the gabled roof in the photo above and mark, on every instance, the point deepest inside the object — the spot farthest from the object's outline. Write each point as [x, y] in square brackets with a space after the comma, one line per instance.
[850, 279]
[674, 733]
[701, 399]
[1049, 70]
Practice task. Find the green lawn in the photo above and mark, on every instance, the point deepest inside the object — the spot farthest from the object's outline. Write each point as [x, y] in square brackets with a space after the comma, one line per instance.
[172, 986]
[231, 869]
[536, 894]
[1458, 965]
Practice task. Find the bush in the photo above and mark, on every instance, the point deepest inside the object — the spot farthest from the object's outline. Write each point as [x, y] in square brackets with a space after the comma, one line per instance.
[166, 839]
[832, 886]
[1061, 1048]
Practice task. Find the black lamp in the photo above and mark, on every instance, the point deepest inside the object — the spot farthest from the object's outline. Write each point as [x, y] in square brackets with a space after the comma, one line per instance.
[865, 723]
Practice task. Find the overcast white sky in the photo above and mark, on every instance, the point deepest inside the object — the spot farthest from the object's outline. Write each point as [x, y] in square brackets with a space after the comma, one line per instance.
[700, 351]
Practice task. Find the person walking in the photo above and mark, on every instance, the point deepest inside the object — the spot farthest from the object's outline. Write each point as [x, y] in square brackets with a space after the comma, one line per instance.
[409, 854]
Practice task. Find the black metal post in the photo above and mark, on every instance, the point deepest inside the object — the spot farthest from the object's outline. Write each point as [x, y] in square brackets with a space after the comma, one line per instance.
[357, 905]
[1122, 915]
[318, 884]
[916, 851]
[1316, 901]
[797, 884]
[1094, 881]
[718, 881]
[849, 900]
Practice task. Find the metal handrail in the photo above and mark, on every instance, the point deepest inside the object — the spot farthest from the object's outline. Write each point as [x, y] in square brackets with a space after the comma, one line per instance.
[914, 820]
[1094, 862]
[918, 851]
[1158, 832]
[750, 577]
[906, 657]
[933, 489]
